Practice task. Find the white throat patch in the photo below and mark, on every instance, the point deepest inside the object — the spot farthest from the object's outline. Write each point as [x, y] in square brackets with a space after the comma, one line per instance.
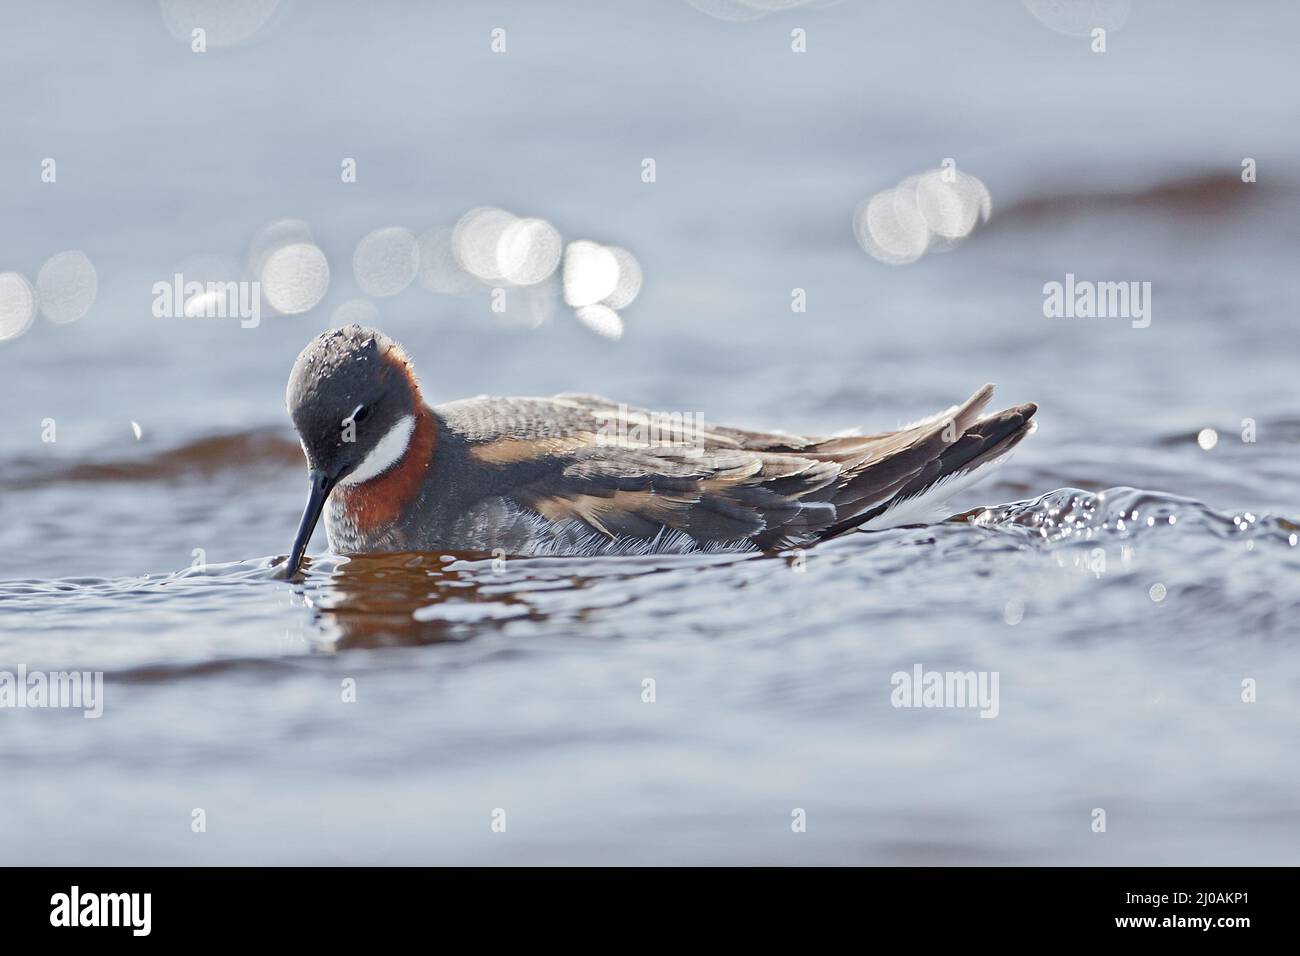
[387, 452]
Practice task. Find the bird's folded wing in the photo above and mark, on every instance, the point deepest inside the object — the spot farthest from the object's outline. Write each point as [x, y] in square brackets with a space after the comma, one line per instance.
[626, 472]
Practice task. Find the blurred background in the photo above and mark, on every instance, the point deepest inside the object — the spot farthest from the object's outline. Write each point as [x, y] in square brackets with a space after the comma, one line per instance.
[134, 537]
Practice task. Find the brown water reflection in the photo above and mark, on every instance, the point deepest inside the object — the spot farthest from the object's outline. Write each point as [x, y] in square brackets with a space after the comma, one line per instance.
[412, 598]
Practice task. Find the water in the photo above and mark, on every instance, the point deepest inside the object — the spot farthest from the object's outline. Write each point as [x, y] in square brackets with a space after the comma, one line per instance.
[520, 686]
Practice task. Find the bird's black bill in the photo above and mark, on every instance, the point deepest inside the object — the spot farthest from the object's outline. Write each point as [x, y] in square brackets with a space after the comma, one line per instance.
[321, 484]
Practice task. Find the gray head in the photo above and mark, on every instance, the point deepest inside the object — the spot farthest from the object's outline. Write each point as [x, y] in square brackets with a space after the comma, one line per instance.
[352, 396]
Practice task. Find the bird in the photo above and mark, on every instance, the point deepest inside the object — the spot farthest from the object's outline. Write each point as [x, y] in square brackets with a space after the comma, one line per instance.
[581, 475]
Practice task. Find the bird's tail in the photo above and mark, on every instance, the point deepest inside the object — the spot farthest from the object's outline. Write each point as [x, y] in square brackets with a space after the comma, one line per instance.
[971, 449]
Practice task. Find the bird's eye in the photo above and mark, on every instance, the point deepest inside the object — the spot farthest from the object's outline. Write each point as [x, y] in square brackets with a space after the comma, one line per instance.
[361, 414]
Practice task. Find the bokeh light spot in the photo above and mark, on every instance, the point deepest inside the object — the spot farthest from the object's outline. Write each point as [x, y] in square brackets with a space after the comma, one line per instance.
[439, 270]
[17, 305]
[528, 251]
[295, 278]
[476, 239]
[225, 22]
[628, 286]
[931, 212]
[1078, 18]
[590, 273]
[66, 287]
[273, 235]
[602, 320]
[386, 261]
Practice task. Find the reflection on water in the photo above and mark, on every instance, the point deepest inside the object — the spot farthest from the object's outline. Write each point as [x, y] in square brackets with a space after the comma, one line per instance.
[378, 600]
[415, 599]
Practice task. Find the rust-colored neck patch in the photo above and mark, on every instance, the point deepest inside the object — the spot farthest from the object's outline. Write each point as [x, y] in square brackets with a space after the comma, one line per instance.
[374, 505]
[399, 362]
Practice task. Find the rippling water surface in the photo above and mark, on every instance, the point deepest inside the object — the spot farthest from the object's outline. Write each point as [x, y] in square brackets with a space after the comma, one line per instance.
[1122, 580]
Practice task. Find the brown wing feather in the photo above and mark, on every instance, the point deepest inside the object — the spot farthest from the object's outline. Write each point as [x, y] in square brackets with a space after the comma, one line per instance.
[626, 472]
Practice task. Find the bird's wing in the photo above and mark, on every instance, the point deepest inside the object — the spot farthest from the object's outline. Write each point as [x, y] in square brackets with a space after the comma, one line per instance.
[627, 472]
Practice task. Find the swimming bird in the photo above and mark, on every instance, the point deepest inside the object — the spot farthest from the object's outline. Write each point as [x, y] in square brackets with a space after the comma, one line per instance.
[582, 475]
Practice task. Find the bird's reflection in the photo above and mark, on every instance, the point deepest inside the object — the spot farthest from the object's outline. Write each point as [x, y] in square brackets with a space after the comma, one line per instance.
[409, 599]
[414, 598]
